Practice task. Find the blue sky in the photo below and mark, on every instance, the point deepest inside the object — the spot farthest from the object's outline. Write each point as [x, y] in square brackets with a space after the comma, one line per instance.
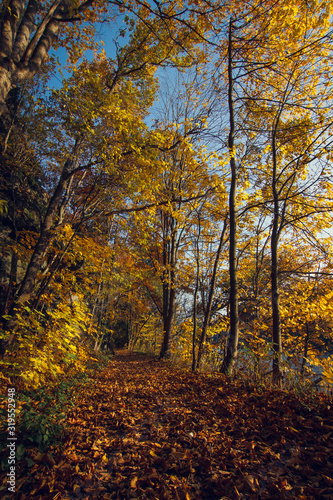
[105, 34]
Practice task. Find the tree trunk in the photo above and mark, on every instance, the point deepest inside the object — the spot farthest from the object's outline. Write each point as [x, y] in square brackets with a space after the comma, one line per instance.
[194, 332]
[12, 280]
[5, 87]
[306, 348]
[169, 290]
[276, 337]
[306, 344]
[26, 37]
[26, 289]
[195, 298]
[47, 229]
[208, 310]
[14, 260]
[169, 324]
[231, 355]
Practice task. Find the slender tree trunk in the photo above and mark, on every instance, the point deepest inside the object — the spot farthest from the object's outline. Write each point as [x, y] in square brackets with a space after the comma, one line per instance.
[194, 332]
[306, 348]
[208, 310]
[275, 295]
[129, 332]
[52, 269]
[166, 274]
[232, 348]
[195, 298]
[260, 253]
[169, 324]
[169, 291]
[98, 342]
[306, 343]
[166, 288]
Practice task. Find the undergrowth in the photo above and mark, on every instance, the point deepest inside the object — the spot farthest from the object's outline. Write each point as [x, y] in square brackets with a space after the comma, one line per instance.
[41, 412]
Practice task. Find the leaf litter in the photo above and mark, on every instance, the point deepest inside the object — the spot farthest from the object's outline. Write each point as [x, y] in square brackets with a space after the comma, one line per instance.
[147, 430]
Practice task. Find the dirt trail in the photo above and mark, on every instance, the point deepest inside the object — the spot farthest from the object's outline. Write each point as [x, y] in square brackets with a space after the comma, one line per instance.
[146, 430]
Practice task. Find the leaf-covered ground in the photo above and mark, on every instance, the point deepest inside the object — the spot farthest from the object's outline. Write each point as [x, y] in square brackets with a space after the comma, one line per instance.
[146, 430]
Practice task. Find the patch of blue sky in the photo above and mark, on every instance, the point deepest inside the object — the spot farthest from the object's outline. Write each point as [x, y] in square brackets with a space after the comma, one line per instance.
[109, 35]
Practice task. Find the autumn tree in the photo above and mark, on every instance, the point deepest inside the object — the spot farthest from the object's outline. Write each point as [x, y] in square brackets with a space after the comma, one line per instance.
[22, 190]
[89, 116]
[29, 30]
[299, 127]
[251, 56]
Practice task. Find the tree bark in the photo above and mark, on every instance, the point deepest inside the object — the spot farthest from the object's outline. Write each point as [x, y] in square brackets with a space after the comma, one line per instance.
[208, 310]
[275, 295]
[231, 355]
[26, 289]
[195, 297]
[306, 348]
[26, 40]
[46, 234]
[169, 289]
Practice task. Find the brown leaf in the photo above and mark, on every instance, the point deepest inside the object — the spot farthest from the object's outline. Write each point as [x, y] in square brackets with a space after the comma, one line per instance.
[134, 481]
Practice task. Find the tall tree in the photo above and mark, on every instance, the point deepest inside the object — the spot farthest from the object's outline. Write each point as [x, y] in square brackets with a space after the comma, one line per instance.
[287, 88]
[259, 57]
[231, 354]
[95, 128]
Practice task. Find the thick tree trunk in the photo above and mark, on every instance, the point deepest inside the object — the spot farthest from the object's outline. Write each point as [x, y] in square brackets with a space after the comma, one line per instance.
[232, 348]
[47, 229]
[26, 36]
[21, 56]
[26, 289]
[10, 287]
[5, 87]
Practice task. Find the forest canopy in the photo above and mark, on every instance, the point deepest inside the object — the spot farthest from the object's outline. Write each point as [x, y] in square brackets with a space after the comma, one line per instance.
[174, 194]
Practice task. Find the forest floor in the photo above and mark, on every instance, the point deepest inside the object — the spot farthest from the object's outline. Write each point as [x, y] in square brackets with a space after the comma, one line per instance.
[144, 429]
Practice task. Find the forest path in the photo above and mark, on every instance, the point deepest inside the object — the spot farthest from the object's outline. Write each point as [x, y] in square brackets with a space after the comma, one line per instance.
[146, 430]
